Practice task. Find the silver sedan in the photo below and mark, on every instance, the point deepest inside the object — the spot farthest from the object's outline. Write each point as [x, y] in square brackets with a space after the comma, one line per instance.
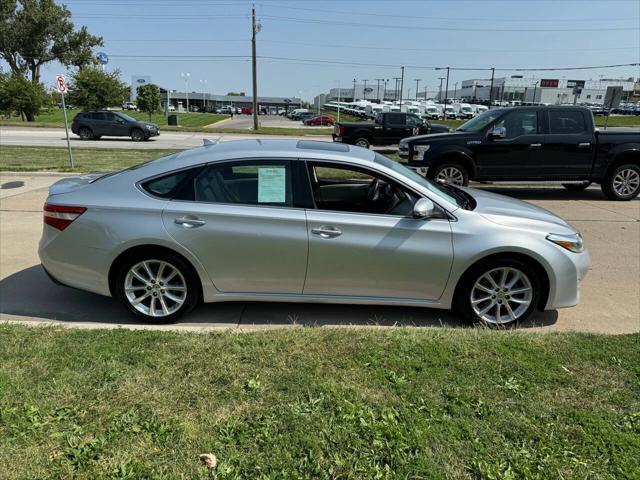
[303, 221]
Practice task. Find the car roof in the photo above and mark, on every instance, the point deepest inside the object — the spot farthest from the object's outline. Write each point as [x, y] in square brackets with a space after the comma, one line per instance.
[260, 148]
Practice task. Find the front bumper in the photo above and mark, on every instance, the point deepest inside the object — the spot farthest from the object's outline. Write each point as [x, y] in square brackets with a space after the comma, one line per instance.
[569, 274]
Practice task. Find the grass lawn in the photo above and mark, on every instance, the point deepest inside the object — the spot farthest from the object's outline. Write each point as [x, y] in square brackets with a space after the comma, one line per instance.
[23, 159]
[55, 118]
[319, 403]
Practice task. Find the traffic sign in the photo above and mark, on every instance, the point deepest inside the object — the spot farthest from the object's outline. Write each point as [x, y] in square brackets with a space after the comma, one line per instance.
[103, 58]
[61, 84]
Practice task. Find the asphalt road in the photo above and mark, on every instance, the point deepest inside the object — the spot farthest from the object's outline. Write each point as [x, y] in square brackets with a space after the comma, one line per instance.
[55, 137]
[610, 294]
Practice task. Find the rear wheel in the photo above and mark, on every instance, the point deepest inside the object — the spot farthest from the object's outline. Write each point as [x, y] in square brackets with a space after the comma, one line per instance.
[499, 293]
[137, 135]
[362, 142]
[576, 187]
[86, 133]
[451, 173]
[622, 182]
[158, 289]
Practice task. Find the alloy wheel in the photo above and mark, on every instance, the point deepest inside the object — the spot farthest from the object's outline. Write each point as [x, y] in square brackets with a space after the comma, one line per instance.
[451, 176]
[501, 296]
[155, 288]
[626, 182]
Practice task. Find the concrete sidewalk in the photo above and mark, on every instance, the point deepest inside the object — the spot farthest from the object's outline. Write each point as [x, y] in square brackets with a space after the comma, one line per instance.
[610, 295]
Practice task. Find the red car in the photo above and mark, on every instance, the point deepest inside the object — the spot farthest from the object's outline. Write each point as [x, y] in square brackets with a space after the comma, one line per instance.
[247, 111]
[319, 121]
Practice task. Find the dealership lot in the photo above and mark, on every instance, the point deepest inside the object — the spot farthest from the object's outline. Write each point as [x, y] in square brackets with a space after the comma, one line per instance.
[609, 303]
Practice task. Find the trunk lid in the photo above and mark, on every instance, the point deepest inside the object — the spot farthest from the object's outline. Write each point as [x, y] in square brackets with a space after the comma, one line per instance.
[70, 184]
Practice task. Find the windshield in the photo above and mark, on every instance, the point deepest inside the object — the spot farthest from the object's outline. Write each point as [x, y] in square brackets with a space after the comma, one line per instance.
[419, 179]
[126, 117]
[466, 109]
[478, 123]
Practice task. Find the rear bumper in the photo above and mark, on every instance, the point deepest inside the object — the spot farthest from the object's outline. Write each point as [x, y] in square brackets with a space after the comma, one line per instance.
[337, 138]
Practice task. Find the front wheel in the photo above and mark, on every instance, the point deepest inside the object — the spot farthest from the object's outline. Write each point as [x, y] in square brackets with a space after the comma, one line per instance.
[623, 182]
[137, 135]
[499, 293]
[157, 289]
[362, 143]
[451, 173]
[86, 133]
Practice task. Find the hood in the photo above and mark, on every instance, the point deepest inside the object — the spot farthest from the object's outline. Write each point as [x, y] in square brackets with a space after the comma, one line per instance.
[69, 184]
[143, 123]
[434, 137]
[511, 212]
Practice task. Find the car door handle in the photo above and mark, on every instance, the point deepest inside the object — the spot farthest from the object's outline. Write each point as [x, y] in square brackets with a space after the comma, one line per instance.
[326, 232]
[584, 145]
[535, 145]
[186, 222]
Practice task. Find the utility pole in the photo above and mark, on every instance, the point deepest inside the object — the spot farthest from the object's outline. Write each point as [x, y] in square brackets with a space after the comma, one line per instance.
[384, 92]
[417, 83]
[395, 92]
[446, 93]
[338, 101]
[440, 91]
[364, 92]
[255, 29]
[378, 92]
[401, 86]
[493, 72]
[455, 90]
[186, 86]
[204, 100]
[535, 87]
[354, 90]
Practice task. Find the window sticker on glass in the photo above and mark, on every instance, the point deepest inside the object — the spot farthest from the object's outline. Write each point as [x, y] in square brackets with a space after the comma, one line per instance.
[271, 185]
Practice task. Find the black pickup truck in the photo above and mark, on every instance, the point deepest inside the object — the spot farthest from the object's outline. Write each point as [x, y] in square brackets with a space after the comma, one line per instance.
[387, 129]
[553, 143]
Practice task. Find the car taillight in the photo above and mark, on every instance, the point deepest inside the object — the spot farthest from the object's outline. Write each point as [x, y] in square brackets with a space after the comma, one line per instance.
[61, 216]
[341, 131]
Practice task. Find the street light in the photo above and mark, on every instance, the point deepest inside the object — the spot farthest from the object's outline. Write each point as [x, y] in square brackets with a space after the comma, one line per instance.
[364, 92]
[417, 88]
[186, 76]
[204, 100]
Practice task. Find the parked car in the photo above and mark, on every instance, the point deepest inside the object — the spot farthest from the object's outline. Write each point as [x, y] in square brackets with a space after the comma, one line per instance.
[558, 143]
[319, 120]
[387, 129]
[129, 106]
[246, 111]
[336, 223]
[95, 124]
[302, 116]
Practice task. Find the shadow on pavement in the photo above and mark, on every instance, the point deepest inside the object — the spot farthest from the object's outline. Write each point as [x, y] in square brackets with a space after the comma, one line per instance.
[30, 293]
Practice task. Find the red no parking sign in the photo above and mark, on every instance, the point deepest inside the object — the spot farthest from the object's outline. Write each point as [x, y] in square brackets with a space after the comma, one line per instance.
[61, 84]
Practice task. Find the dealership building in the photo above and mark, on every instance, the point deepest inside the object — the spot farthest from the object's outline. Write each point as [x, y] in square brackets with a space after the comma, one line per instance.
[542, 90]
[210, 101]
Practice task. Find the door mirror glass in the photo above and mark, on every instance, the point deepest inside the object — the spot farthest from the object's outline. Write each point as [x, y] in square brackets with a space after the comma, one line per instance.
[424, 208]
[497, 133]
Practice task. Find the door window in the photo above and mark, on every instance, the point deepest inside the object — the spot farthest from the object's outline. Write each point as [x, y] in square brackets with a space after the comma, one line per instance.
[519, 123]
[348, 189]
[566, 121]
[413, 121]
[396, 119]
[247, 183]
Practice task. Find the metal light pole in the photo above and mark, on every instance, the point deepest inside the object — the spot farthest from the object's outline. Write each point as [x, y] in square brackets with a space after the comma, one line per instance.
[395, 92]
[446, 93]
[493, 72]
[354, 90]
[401, 86]
[440, 91]
[186, 76]
[378, 93]
[535, 87]
[255, 28]
[384, 92]
[339, 101]
[417, 88]
[203, 83]
[364, 92]
[455, 90]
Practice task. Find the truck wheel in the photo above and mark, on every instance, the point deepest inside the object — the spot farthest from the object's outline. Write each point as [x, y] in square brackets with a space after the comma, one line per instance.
[576, 187]
[362, 142]
[451, 173]
[622, 182]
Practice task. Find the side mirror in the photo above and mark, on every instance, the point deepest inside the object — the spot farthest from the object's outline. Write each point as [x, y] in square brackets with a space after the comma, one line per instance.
[497, 133]
[424, 208]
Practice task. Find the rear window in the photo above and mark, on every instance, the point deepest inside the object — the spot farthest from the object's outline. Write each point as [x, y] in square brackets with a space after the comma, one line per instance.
[566, 122]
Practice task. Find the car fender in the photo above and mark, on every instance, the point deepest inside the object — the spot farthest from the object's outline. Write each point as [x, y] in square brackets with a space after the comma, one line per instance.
[440, 152]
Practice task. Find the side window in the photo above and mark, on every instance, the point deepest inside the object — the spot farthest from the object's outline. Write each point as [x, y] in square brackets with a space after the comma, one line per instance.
[247, 183]
[345, 189]
[566, 122]
[519, 123]
[100, 116]
[396, 119]
[168, 185]
[413, 121]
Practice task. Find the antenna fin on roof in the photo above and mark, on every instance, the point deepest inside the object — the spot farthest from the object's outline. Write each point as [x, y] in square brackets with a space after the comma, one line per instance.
[207, 142]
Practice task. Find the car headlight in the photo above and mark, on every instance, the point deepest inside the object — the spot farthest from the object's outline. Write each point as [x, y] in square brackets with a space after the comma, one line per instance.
[420, 150]
[573, 243]
[150, 127]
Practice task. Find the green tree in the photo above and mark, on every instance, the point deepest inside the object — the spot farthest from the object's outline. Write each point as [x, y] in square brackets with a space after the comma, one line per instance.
[36, 32]
[148, 98]
[92, 89]
[21, 96]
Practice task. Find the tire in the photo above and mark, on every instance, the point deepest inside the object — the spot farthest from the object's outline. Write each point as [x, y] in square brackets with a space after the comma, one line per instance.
[168, 303]
[622, 182]
[452, 173]
[576, 187]
[137, 135]
[362, 142]
[473, 294]
[85, 133]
